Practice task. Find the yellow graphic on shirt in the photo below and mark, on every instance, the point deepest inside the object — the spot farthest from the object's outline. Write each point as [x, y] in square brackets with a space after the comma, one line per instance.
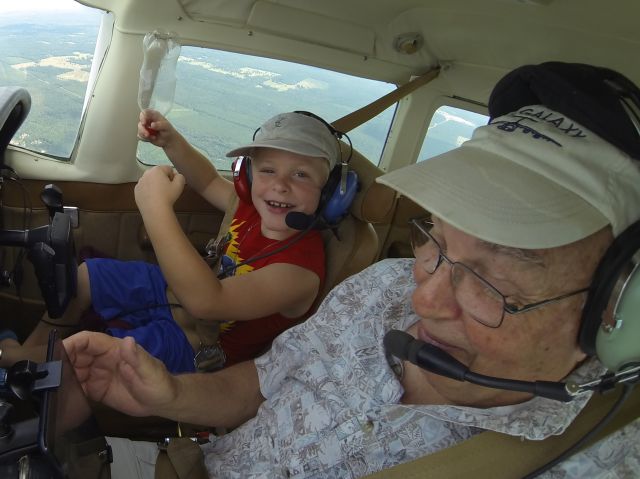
[233, 251]
[231, 258]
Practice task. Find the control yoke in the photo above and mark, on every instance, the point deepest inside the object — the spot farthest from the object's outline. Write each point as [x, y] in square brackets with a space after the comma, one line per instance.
[51, 250]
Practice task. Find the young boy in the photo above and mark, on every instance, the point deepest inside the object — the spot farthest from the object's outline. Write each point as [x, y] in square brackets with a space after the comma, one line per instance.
[290, 160]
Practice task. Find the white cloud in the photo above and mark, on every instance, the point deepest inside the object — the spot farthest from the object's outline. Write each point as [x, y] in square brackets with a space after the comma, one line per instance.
[306, 84]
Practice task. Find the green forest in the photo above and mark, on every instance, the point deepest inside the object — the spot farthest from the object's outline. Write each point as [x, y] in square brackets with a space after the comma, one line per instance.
[220, 97]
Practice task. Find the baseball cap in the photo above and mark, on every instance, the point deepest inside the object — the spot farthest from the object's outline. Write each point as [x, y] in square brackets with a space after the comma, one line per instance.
[295, 132]
[601, 99]
[531, 178]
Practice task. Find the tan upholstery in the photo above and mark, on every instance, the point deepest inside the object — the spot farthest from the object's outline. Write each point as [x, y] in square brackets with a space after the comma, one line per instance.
[355, 246]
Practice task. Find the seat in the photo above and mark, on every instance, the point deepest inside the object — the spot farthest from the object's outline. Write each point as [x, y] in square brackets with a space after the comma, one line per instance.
[355, 245]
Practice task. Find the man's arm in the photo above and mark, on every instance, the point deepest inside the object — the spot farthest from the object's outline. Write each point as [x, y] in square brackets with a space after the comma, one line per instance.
[120, 374]
[227, 398]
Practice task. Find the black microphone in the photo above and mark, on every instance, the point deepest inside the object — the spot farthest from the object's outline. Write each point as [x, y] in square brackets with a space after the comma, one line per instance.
[433, 359]
[298, 220]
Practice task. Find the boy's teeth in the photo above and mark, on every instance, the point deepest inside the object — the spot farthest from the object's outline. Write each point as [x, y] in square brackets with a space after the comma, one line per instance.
[279, 205]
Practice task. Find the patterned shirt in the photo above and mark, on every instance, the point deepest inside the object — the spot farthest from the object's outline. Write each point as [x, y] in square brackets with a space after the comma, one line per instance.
[333, 402]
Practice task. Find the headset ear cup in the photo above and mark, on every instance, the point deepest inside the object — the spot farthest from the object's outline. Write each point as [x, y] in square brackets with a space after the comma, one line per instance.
[242, 178]
[617, 259]
[334, 204]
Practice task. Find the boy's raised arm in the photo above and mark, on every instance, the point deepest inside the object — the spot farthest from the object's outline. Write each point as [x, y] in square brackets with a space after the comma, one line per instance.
[198, 171]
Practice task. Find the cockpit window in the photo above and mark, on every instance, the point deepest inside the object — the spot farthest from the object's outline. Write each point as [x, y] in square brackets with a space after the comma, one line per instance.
[450, 127]
[47, 47]
[222, 97]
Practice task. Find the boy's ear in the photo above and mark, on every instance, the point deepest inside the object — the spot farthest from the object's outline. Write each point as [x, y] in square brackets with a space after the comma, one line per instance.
[242, 178]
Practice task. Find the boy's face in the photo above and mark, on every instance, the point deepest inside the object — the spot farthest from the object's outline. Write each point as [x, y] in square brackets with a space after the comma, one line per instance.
[283, 182]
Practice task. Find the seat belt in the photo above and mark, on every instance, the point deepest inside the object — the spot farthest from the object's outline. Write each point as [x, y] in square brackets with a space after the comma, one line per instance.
[491, 454]
[364, 114]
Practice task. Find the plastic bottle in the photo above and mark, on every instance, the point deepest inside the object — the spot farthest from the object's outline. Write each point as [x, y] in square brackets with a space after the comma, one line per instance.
[157, 85]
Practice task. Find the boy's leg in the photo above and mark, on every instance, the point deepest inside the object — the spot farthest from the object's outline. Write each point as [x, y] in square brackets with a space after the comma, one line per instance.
[135, 293]
[165, 340]
[35, 346]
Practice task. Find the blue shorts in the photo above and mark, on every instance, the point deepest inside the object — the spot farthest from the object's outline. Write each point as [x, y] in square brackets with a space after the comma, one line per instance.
[135, 292]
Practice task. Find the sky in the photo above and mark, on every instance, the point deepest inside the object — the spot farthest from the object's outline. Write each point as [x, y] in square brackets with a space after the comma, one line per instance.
[9, 6]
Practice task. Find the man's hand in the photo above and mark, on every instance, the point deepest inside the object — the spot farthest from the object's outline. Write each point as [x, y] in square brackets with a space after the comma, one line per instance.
[120, 374]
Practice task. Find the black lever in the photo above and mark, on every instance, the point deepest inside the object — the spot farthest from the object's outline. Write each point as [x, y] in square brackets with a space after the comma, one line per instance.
[51, 196]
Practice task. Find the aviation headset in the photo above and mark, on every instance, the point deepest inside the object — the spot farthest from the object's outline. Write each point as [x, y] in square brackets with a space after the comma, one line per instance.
[608, 104]
[336, 195]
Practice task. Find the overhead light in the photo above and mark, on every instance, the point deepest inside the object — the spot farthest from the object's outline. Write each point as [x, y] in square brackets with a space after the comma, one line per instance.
[408, 43]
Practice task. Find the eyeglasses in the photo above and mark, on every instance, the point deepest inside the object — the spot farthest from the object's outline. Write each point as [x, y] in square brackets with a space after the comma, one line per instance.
[474, 294]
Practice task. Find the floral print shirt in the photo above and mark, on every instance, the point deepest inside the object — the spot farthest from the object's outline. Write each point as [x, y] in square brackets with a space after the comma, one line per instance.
[333, 402]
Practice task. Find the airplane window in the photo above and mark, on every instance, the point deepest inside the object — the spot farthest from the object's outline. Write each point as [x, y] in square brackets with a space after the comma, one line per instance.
[450, 127]
[222, 97]
[47, 47]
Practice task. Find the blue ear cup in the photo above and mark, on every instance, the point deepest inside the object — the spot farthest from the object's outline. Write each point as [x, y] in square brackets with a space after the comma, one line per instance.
[334, 204]
[242, 178]
[337, 206]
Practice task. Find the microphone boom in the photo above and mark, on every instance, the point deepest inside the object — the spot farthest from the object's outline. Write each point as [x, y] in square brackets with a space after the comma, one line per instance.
[433, 359]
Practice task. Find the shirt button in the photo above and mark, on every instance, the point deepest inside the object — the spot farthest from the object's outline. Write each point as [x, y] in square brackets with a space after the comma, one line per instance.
[368, 426]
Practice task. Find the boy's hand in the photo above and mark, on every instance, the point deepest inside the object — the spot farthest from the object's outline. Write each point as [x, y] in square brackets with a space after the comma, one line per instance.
[159, 186]
[120, 374]
[155, 128]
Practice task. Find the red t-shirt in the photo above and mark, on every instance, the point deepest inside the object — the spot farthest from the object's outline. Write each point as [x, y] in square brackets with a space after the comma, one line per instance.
[242, 340]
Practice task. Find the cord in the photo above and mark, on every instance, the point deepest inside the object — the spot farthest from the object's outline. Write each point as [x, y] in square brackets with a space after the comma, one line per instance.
[225, 272]
[15, 275]
[123, 313]
[624, 395]
[151, 306]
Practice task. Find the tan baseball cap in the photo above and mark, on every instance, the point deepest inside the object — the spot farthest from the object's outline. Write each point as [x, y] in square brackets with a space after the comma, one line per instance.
[533, 178]
[295, 132]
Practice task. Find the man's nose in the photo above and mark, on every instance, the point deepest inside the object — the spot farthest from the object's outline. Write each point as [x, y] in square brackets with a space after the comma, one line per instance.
[434, 294]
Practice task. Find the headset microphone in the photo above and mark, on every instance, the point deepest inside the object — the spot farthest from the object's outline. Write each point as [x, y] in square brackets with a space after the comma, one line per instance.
[433, 359]
[298, 220]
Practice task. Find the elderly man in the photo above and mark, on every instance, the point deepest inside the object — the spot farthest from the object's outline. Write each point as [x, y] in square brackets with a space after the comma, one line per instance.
[521, 216]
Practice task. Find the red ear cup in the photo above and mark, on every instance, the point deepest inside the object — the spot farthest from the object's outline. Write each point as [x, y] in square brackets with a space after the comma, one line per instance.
[242, 178]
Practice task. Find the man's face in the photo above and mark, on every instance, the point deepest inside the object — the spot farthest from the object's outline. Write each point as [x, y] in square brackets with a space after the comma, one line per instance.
[537, 345]
[283, 182]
